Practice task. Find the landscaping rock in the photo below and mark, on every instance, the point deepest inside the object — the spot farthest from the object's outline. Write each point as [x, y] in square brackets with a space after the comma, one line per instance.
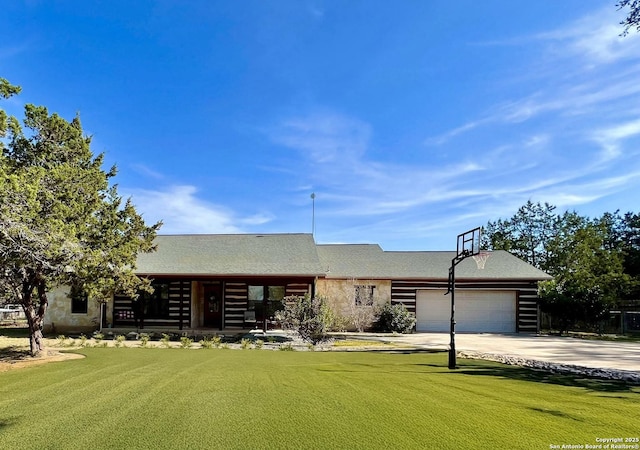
[607, 374]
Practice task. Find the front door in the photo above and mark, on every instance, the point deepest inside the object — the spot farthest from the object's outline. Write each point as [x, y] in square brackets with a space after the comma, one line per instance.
[213, 305]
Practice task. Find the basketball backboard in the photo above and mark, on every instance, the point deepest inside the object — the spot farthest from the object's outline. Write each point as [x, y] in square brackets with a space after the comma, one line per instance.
[468, 243]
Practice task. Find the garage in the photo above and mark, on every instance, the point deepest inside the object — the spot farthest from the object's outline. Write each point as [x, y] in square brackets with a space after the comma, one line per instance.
[476, 311]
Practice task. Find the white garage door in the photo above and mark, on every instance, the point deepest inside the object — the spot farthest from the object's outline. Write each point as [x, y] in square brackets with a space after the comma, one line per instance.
[476, 311]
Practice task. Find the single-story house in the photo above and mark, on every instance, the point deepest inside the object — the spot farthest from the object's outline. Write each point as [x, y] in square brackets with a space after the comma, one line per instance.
[234, 281]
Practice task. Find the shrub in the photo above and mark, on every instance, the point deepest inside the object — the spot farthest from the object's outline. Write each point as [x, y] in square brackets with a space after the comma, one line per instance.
[259, 344]
[83, 340]
[362, 317]
[340, 323]
[245, 343]
[166, 340]
[185, 342]
[98, 337]
[62, 339]
[144, 339]
[119, 341]
[395, 318]
[288, 347]
[206, 342]
[310, 317]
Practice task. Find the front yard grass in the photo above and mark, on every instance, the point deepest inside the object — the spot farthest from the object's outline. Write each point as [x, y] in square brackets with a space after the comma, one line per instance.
[213, 398]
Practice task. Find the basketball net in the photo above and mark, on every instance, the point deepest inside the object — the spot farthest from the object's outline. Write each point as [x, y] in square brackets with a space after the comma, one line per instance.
[481, 258]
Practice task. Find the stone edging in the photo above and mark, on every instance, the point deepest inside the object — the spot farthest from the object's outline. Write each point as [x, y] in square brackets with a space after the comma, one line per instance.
[608, 374]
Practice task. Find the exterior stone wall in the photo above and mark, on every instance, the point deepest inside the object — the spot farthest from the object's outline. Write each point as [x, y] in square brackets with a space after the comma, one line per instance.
[341, 296]
[59, 318]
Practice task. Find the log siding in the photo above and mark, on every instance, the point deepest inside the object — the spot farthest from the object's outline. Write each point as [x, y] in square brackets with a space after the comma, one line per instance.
[179, 308]
[236, 297]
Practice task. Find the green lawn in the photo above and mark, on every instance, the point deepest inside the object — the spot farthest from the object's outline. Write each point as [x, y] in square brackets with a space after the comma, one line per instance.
[134, 398]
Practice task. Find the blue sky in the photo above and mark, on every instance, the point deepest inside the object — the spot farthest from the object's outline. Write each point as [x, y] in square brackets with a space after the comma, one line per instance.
[412, 121]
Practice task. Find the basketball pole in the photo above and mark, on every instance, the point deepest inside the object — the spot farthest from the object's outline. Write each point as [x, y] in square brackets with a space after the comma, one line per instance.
[452, 290]
[468, 245]
[452, 329]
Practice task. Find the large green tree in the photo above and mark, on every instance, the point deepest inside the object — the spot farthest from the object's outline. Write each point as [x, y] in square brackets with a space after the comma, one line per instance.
[589, 277]
[526, 234]
[61, 222]
[587, 258]
[623, 236]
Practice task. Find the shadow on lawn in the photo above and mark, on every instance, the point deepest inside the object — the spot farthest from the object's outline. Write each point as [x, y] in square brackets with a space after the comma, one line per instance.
[539, 376]
[13, 354]
[14, 332]
[7, 422]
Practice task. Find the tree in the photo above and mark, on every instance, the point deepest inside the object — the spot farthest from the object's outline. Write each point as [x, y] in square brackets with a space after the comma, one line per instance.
[633, 18]
[587, 258]
[61, 223]
[589, 276]
[630, 246]
[525, 235]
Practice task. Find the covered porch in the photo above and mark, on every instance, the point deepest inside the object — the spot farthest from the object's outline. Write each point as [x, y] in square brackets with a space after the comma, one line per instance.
[206, 305]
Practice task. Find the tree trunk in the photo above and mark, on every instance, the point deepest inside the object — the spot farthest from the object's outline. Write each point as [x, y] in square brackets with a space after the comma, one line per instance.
[35, 318]
[35, 341]
[35, 329]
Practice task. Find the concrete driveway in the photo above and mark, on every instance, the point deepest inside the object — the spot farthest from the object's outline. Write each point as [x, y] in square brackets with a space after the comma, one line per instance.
[562, 350]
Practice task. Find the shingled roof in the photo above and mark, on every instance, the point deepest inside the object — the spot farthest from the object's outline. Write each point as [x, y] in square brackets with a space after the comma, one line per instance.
[371, 262]
[232, 255]
[298, 255]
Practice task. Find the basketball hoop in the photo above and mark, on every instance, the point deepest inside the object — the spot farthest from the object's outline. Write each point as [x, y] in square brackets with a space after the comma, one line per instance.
[481, 258]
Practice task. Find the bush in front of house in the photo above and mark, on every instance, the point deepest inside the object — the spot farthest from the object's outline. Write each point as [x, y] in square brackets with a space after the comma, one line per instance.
[395, 319]
[310, 316]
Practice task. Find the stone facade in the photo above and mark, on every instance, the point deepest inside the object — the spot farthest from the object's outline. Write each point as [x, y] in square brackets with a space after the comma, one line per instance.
[355, 301]
[60, 319]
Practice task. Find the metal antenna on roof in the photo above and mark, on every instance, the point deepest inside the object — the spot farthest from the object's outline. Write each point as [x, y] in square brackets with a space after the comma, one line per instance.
[313, 214]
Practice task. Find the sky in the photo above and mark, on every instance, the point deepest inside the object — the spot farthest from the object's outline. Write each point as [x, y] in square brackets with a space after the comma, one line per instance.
[411, 121]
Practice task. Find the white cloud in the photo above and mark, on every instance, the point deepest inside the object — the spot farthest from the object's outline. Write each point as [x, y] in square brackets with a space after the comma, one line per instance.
[182, 212]
[537, 140]
[611, 138]
[596, 38]
[622, 131]
[147, 171]
[324, 137]
[9, 51]
[445, 137]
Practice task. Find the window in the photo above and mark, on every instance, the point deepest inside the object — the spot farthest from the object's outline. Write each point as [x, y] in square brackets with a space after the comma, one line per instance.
[156, 305]
[258, 294]
[261, 293]
[79, 300]
[276, 293]
[363, 295]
